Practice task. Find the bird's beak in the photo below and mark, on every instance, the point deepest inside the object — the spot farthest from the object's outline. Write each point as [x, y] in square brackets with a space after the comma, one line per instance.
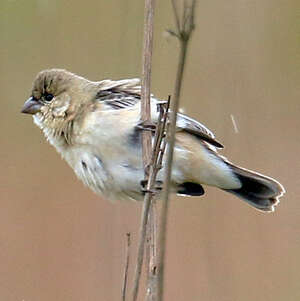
[31, 106]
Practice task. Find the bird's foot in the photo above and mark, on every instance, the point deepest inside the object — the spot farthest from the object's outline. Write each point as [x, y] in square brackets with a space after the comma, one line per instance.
[146, 126]
[158, 186]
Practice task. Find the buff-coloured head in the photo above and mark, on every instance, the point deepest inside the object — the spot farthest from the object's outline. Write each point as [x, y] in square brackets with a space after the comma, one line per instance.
[55, 92]
[57, 97]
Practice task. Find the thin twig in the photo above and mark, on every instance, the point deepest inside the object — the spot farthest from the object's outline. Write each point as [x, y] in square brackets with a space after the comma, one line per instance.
[184, 32]
[175, 10]
[125, 277]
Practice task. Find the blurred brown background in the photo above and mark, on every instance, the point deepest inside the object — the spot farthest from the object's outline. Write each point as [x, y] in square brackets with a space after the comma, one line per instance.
[59, 241]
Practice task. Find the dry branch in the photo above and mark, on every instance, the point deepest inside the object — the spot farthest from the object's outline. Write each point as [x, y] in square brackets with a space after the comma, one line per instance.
[153, 156]
[159, 146]
[183, 33]
[151, 261]
[146, 136]
[127, 257]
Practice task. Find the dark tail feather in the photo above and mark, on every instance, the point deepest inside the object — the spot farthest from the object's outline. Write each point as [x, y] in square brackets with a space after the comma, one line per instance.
[259, 191]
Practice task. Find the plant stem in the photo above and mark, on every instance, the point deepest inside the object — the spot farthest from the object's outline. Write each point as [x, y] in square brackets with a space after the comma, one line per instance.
[146, 135]
[183, 33]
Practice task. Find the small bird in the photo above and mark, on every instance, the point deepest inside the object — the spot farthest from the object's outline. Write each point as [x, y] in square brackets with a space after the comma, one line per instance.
[95, 128]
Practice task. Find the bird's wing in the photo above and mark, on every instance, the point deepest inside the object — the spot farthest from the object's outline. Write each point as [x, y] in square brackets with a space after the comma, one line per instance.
[126, 93]
[119, 94]
[131, 85]
[196, 129]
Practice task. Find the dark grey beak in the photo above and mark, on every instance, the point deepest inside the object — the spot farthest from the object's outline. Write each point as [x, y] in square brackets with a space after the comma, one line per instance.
[31, 106]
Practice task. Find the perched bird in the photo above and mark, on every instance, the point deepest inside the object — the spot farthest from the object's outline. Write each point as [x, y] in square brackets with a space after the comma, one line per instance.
[94, 126]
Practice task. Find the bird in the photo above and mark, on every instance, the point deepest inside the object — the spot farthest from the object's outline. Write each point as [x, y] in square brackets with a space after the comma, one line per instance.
[95, 126]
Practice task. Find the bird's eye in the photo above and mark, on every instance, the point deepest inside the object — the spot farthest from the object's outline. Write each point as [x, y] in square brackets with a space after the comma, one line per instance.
[48, 97]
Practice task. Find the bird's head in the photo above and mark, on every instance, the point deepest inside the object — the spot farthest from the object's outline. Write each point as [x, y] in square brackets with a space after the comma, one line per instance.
[56, 99]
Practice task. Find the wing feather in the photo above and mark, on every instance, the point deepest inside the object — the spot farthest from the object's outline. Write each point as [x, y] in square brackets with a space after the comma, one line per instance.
[197, 129]
[123, 94]
[131, 86]
[119, 94]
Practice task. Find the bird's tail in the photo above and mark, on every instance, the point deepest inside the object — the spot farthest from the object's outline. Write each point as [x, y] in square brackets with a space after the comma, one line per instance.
[259, 191]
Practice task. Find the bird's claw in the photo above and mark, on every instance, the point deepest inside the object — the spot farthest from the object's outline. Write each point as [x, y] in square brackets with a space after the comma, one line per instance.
[146, 126]
[157, 187]
[161, 103]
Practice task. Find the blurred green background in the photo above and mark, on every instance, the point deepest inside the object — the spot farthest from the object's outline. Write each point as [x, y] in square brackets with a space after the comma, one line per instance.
[59, 241]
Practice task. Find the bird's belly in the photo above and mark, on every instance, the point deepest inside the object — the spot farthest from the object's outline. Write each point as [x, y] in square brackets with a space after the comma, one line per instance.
[118, 175]
[112, 178]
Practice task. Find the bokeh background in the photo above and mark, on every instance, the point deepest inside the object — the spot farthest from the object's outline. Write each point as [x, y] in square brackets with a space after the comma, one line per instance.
[59, 241]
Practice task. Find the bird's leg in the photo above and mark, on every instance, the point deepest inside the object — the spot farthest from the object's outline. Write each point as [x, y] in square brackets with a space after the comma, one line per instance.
[146, 126]
[161, 102]
[158, 186]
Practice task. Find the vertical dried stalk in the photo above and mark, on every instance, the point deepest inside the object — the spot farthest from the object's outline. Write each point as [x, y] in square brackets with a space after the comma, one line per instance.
[146, 82]
[146, 135]
[153, 163]
[151, 258]
[159, 147]
[183, 33]
[127, 257]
